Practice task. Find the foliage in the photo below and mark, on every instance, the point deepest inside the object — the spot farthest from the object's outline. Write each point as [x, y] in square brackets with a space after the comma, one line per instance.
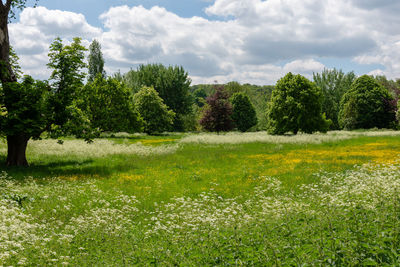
[95, 61]
[233, 88]
[367, 105]
[17, 5]
[25, 108]
[259, 97]
[200, 96]
[156, 115]
[244, 114]
[14, 63]
[333, 83]
[109, 106]
[66, 63]
[171, 83]
[217, 114]
[296, 106]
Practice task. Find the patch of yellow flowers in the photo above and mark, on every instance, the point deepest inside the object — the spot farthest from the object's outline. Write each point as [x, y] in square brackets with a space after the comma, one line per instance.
[377, 153]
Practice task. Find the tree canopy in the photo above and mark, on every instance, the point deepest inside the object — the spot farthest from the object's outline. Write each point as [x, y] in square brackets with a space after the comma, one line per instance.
[367, 105]
[108, 104]
[244, 114]
[172, 84]
[217, 114]
[296, 106]
[156, 115]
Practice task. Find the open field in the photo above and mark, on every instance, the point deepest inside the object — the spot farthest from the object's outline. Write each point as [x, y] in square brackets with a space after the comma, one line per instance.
[204, 199]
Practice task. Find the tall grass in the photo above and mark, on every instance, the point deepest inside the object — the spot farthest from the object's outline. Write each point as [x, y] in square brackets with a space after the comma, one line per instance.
[307, 200]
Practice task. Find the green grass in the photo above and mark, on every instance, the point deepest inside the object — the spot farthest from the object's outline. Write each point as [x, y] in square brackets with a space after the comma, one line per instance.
[249, 203]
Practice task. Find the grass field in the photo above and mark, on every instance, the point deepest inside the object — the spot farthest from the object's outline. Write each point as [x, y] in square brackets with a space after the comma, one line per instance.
[204, 199]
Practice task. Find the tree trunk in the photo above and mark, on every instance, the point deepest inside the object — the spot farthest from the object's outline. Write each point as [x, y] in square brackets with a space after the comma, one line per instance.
[6, 73]
[16, 143]
[16, 155]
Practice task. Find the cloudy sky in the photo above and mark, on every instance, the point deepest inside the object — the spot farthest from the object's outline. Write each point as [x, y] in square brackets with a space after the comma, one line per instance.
[249, 41]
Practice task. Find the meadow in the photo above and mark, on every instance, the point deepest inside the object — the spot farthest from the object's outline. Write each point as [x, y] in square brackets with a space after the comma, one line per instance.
[204, 199]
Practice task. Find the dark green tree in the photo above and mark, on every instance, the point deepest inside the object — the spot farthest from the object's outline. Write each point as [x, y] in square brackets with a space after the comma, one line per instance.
[156, 115]
[243, 114]
[333, 83]
[367, 105]
[296, 106]
[172, 85]
[109, 106]
[217, 114]
[95, 61]
[24, 116]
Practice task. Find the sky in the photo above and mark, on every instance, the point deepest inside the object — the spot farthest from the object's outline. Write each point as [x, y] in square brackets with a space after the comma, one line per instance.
[249, 41]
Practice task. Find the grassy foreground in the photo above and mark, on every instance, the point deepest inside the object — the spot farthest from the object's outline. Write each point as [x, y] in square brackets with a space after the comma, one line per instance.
[234, 199]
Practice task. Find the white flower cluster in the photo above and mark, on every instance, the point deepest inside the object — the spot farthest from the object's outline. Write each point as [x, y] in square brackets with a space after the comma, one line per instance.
[367, 186]
[99, 148]
[264, 137]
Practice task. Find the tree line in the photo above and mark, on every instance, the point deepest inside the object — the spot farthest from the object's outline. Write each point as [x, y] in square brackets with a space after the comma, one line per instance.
[154, 98]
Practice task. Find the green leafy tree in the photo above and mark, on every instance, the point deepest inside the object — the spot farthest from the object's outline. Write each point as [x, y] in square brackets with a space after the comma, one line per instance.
[109, 106]
[95, 61]
[156, 115]
[217, 114]
[32, 107]
[67, 64]
[172, 85]
[367, 105]
[244, 114]
[333, 83]
[296, 106]
[23, 116]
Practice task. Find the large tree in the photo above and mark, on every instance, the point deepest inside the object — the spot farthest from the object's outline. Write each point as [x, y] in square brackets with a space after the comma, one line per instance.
[13, 95]
[296, 106]
[31, 107]
[367, 105]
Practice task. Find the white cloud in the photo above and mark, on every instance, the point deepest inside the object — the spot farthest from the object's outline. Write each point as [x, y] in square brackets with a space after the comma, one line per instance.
[37, 28]
[247, 40]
